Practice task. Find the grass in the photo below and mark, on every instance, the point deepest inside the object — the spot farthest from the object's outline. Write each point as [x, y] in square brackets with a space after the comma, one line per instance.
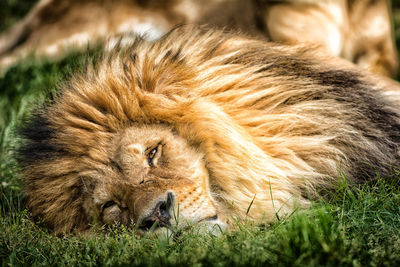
[359, 227]
[352, 229]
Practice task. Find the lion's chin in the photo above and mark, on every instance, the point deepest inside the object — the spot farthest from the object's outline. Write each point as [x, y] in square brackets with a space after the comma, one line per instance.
[205, 227]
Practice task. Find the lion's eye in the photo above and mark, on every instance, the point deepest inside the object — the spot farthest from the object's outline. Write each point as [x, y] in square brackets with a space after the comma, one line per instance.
[108, 204]
[151, 156]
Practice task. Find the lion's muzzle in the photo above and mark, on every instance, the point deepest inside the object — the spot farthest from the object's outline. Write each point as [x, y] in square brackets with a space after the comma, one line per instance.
[160, 216]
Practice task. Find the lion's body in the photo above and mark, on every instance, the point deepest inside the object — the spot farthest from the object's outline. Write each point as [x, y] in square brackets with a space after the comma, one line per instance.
[259, 123]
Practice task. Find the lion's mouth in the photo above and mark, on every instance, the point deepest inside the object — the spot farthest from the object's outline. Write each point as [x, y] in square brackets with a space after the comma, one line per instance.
[151, 224]
[211, 218]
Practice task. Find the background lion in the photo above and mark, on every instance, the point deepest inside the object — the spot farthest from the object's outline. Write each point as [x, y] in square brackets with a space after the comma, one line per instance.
[208, 124]
[359, 31]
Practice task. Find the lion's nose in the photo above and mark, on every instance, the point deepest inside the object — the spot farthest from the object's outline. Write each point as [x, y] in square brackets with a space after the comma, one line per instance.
[160, 216]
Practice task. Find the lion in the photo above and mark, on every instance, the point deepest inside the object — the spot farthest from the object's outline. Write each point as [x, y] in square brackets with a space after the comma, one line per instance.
[359, 31]
[203, 127]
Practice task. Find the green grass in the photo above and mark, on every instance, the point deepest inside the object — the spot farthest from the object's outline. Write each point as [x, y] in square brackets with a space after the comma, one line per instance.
[359, 227]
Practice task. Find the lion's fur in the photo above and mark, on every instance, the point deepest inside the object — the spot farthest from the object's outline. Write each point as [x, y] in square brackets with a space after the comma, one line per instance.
[272, 122]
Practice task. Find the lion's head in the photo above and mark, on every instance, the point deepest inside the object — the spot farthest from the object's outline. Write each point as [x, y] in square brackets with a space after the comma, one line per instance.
[152, 177]
[143, 176]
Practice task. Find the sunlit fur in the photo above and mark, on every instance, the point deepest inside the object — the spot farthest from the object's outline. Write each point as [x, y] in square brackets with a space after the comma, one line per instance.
[270, 123]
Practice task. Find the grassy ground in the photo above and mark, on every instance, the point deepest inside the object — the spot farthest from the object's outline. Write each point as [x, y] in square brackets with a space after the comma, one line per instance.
[355, 228]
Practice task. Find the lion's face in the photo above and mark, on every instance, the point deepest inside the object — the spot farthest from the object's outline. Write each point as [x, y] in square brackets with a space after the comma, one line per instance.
[155, 178]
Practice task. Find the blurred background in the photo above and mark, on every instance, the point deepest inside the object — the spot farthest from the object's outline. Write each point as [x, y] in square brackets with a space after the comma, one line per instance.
[396, 18]
[13, 10]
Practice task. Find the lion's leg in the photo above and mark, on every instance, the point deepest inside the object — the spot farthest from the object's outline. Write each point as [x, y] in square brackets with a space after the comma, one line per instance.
[318, 22]
[370, 42]
[21, 31]
[53, 28]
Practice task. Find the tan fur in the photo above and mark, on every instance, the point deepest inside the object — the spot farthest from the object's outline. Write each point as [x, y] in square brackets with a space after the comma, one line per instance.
[240, 121]
[357, 30]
